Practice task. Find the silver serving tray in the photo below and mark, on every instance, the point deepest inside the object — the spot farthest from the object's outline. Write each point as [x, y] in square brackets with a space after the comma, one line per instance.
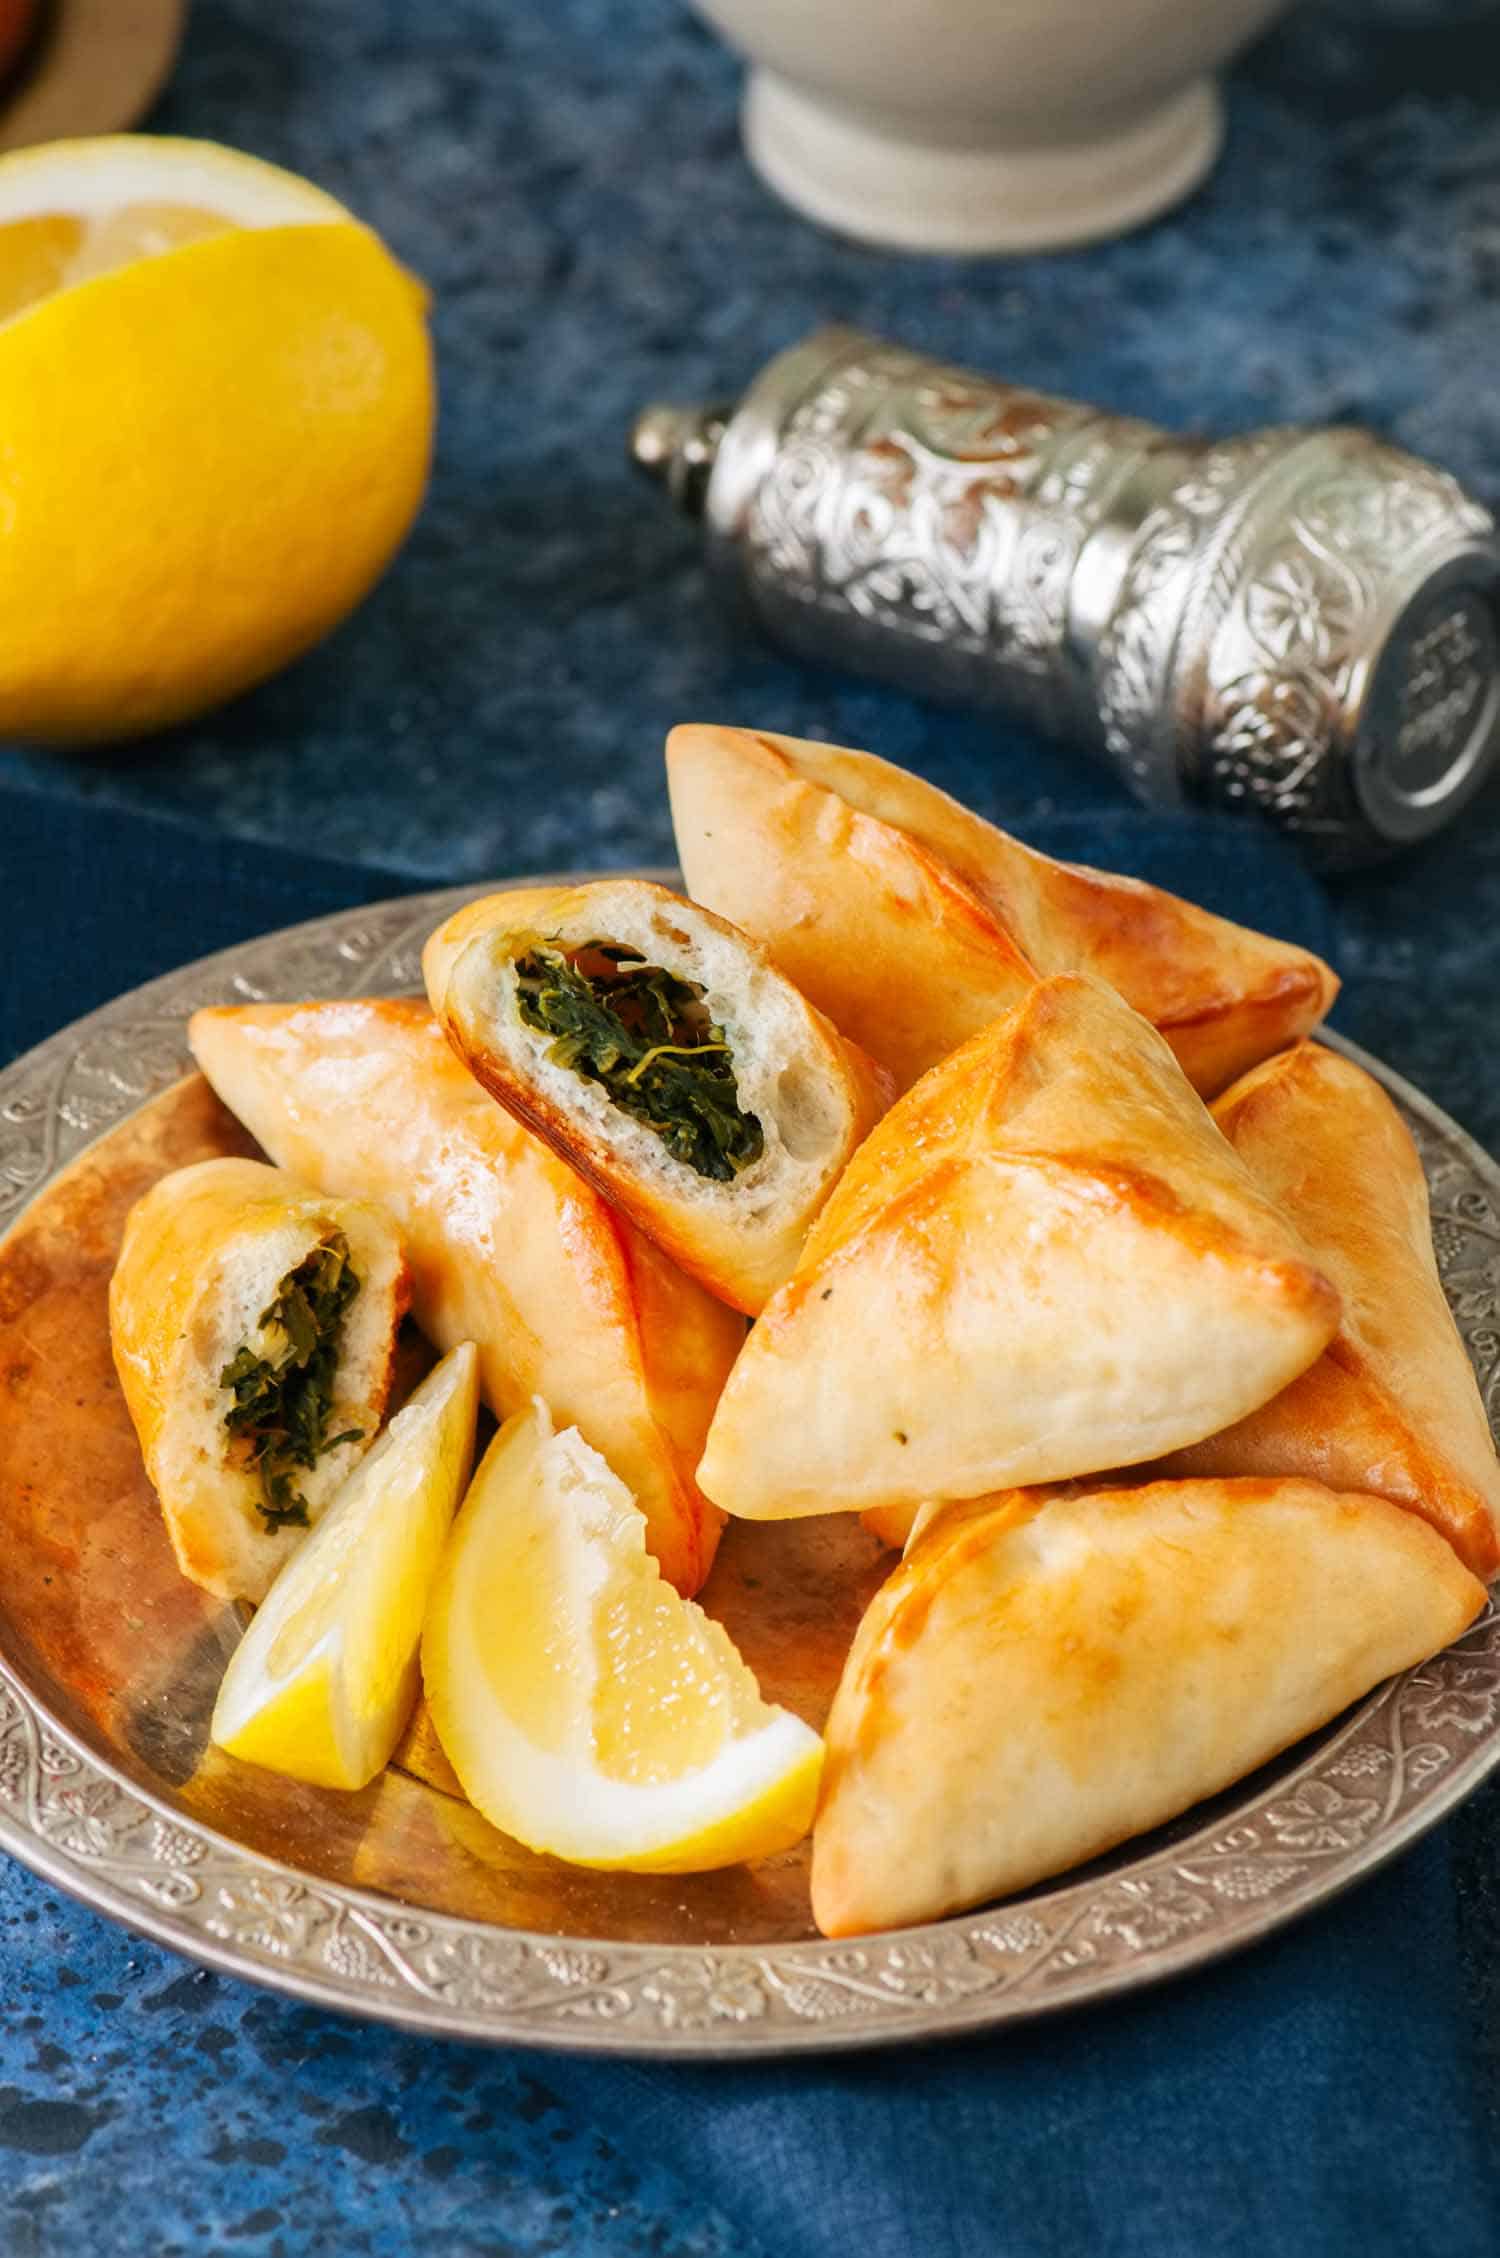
[110, 1815]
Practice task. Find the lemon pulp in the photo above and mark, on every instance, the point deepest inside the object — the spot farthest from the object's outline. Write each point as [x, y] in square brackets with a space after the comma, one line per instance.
[323, 1682]
[587, 1708]
[53, 250]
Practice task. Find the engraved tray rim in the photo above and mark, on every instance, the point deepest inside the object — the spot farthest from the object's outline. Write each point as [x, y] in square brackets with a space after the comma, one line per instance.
[1390, 1769]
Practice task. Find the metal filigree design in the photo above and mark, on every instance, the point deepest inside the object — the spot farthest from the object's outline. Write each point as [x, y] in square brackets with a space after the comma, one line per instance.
[1287, 653]
[1217, 616]
[1388, 1771]
[1176, 569]
[936, 508]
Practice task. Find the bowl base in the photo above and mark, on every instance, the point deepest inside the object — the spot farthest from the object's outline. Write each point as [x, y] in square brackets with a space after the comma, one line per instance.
[848, 173]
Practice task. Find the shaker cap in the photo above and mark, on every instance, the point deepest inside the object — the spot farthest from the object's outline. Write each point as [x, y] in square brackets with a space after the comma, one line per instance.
[1428, 732]
[1340, 670]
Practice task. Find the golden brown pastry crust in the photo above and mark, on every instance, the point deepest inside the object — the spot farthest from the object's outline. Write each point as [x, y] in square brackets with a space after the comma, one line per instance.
[1392, 1405]
[741, 1240]
[187, 1244]
[1048, 1673]
[508, 1247]
[913, 922]
[1044, 1256]
[891, 1523]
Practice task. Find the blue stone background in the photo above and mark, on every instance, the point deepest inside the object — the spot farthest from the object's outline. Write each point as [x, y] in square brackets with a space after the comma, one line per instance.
[568, 180]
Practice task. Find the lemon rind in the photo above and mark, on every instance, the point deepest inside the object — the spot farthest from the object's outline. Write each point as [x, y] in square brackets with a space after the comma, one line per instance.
[90, 179]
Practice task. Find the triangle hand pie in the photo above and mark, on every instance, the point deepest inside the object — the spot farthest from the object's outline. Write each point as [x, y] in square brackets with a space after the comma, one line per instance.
[1047, 1674]
[508, 1248]
[913, 922]
[661, 1053]
[1392, 1405]
[1044, 1259]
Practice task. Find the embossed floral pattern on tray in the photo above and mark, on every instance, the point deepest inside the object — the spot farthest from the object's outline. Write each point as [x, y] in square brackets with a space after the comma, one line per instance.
[1388, 1771]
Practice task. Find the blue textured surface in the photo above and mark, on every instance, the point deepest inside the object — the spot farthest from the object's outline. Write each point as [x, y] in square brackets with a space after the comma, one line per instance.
[568, 179]
[1301, 2104]
[154, 2110]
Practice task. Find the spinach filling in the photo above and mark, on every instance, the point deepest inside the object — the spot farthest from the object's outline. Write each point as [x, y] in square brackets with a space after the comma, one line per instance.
[646, 1037]
[283, 1395]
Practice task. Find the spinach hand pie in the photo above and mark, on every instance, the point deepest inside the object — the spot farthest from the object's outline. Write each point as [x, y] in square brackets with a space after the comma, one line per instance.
[509, 1248]
[1392, 1404]
[253, 1324]
[1050, 1672]
[661, 1053]
[912, 922]
[1045, 1258]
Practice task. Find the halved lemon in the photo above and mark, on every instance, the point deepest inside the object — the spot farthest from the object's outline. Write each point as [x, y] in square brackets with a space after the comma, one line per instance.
[323, 1681]
[216, 407]
[587, 1709]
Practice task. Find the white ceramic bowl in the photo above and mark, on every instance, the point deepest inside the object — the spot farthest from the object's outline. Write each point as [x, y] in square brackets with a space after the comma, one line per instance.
[984, 125]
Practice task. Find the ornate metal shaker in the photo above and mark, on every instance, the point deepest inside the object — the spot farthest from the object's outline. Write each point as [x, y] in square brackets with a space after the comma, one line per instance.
[1301, 624]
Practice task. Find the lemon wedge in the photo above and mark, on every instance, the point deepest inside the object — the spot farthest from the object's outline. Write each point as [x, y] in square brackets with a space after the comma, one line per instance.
[323, 1681]
[182, 524]
[587, 1709]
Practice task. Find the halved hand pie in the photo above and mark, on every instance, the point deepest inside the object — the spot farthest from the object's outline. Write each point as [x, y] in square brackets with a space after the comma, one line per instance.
[508, 1247]
[663, 1054]
[253, 1321]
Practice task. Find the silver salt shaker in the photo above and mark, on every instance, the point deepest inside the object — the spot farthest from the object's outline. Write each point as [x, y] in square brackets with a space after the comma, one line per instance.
[1302, 624]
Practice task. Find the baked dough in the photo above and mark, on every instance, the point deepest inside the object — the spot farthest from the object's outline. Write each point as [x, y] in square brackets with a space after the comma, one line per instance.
[1392, 1405]
[508, 1247]
[1046, 1675]
[806, 1096]
[913, 922]
[1044, 1259]
[205, 1253]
